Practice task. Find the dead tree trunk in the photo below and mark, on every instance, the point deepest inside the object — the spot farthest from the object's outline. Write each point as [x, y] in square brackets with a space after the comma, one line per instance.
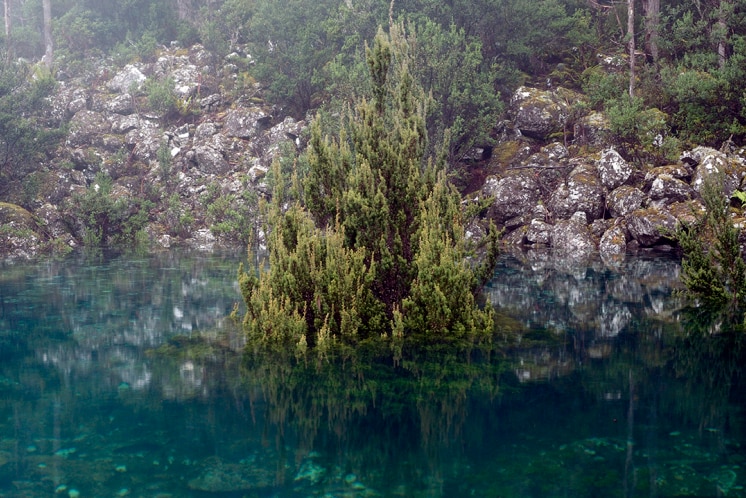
[631, 45]
[652, 24]
[48, 42]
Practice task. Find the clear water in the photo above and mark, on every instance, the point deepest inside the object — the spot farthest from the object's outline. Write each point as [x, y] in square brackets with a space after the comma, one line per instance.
[122, 376]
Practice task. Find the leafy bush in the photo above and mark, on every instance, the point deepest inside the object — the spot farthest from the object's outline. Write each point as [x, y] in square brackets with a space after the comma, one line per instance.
[161, 96]
[640, 131]
[230, 216]
[108, 219]
[713, 268]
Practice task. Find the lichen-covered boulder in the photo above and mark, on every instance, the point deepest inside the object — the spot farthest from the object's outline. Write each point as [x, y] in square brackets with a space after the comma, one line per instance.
[669, 190]
[613, 169]
[210, 160]
[269, 145]
[121, 104]
[87, 128]
[18, 237]
[245, 123]
[624, 200]
[539, 232]
[124, 124]
[592, 129]
[514, 195]
[651, 225]
[680, 171]
[541, 113]
[126, 79]
[686, 212]
[572, 239]
[180, 70]
[144, 140]
[582, 191]
[613, 244]
[712, 162]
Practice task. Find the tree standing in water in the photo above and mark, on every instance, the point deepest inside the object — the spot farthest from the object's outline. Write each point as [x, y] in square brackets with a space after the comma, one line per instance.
[373, 247]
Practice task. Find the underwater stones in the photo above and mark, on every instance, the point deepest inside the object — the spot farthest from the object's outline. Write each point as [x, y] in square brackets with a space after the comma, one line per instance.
[220, 477]
[310, 471]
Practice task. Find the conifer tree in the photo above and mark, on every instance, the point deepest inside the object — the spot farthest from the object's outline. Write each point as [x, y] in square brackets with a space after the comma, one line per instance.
[377, 250]
[713, 269]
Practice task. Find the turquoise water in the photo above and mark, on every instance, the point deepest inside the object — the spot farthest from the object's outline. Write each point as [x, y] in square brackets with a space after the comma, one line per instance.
[122, 376]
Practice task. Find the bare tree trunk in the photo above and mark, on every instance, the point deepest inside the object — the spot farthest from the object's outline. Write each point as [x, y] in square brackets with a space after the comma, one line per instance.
[8, 25]
[48, 42]
[184, 9]
[722, 31]
[7, 19]
[631, 35]
[652, 24]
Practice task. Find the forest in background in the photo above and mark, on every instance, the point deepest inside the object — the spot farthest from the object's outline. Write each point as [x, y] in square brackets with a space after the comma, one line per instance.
[680, 65]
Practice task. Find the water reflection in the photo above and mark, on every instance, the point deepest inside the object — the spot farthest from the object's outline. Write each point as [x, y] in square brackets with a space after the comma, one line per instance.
[122, 376]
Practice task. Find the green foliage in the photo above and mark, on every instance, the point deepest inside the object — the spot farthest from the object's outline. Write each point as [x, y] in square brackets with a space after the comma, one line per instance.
[25, 140]
[231, 216]
[713, 269]
[161, 96]
[640, 131]
[381, 233]
[165, 164]
[464, 106]
[177, 217]
[107, 218]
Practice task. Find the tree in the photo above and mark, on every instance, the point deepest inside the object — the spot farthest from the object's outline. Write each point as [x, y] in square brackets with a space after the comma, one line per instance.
[713, 268]
[652, 10]
[464, 106]
[378, 251]
[8, 25]
[631, 45]
[48, 41]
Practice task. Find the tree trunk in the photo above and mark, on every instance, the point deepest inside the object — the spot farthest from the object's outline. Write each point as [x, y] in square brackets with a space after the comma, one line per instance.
[7, 28]
[722, 32]
[631, 35]
[48, 43]
[652, 24]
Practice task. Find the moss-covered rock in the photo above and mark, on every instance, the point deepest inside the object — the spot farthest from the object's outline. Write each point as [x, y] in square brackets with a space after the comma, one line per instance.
[18, 231]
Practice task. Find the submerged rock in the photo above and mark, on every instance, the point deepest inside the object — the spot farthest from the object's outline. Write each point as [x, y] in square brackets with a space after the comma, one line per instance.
[220, 477]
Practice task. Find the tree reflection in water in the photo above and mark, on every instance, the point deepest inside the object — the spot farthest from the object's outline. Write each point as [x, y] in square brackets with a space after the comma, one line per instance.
[364, 409]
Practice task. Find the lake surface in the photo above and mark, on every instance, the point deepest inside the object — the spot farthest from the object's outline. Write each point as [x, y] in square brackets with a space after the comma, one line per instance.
[124, 376]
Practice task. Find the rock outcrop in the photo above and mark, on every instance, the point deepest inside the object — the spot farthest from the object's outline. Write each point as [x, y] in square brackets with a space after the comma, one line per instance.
[590, 199]
[198, 160]
[195, 159]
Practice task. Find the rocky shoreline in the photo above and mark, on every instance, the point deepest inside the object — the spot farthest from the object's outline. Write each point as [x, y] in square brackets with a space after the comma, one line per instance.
[551, 181]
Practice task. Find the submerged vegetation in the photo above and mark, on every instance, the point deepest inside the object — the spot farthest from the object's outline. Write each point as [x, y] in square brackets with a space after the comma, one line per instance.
[377, 250]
